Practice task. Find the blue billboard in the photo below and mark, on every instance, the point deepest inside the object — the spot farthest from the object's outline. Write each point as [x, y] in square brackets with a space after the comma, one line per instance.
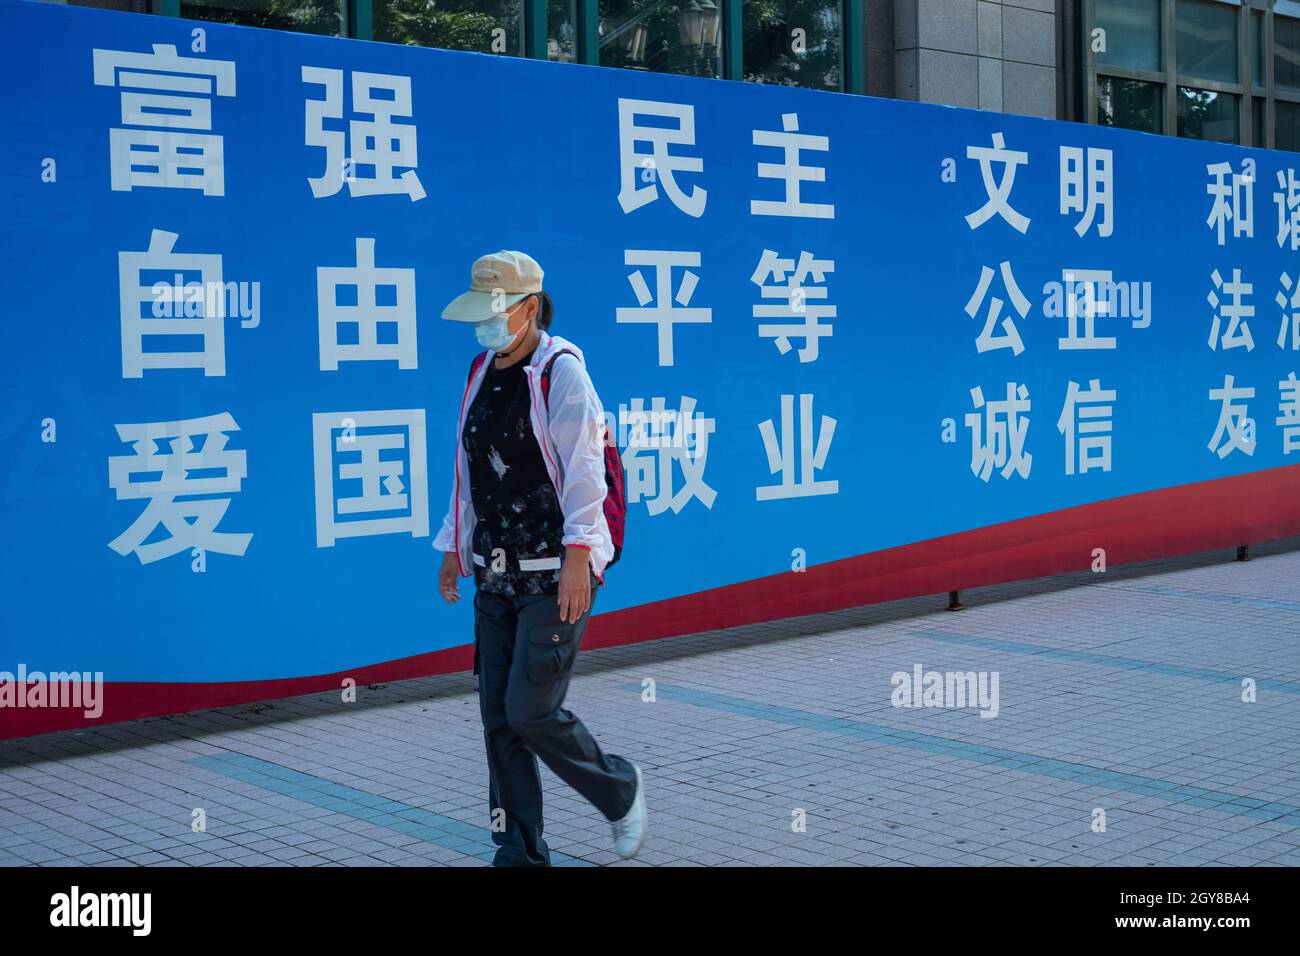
[869, 348]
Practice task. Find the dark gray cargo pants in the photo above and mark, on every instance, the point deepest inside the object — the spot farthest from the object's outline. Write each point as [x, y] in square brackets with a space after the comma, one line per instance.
[523, 655]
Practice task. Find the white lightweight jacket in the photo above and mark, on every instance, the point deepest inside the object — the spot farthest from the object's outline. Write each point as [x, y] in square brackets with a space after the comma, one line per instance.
[572, 438]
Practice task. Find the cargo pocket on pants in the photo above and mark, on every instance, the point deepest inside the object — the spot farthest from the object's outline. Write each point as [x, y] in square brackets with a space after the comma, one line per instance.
[550, 651]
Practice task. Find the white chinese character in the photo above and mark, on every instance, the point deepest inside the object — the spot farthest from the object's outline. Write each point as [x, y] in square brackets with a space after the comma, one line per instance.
[1233, 201]
[658, 438]
[1083, 301]
[1288, 335]
[780, 452]
[1289, 413]
[1234, 310]
[164, 457]
[1288, 209]
[987, 340]
[380, 299]
[347, 448]
[657, 166]
[664, 312]
[999, 194]
[1232, 419]
[1085, 194]
[173, 94]
[790, 172]
[998, 436]
[174, 309]
[795, 295]
[1085, 422]
[380, 145]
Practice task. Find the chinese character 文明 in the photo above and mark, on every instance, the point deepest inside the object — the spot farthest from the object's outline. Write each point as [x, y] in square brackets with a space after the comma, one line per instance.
[999, 193]
[1087, 191]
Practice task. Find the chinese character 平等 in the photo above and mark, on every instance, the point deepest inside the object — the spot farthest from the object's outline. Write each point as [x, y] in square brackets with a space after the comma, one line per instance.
[791, 286]
[669, 307]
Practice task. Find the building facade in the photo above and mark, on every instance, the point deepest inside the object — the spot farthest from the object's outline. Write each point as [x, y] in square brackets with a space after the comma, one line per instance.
[1221, 70]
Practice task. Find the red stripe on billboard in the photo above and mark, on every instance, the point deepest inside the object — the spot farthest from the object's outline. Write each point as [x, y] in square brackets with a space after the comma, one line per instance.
[1204, 516]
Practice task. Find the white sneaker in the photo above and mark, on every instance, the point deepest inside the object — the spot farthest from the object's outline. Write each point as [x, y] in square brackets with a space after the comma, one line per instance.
[629, 832]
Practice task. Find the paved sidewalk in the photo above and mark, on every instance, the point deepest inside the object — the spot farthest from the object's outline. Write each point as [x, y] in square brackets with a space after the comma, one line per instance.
[1118, 693]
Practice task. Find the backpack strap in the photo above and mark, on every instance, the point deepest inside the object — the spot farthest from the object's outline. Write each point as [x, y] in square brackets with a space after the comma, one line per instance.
[473, 366]
[546, 375]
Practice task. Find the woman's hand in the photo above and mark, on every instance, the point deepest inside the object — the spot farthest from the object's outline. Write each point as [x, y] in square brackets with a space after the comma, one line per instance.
[447, 577]
[575, 584]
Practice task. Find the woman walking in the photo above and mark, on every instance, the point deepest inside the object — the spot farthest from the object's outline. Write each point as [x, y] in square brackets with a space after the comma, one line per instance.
[527, 516]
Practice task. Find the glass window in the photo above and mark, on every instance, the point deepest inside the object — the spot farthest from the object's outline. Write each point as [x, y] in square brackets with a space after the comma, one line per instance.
[1286, 52]
[1130, 104]
[1205, 114]
[793, 43]
[1132, 33]
[1286, 135]
[480, 26]
[301, 16]
[1258, 133]
[130, 6]
[1257, 46]
[1206, 38]
[667, 36]
[562, 31]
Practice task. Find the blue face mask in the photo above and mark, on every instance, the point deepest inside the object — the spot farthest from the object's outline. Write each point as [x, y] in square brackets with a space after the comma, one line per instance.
[495, 333]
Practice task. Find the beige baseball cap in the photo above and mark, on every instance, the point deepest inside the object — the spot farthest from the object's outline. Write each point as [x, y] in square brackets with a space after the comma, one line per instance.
[497, 281]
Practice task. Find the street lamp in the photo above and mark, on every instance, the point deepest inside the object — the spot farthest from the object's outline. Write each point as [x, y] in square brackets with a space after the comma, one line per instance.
[634, 42]
[690, 26]
[712, 18]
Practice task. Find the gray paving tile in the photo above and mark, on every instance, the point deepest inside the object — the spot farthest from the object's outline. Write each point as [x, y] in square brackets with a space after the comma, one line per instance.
[1119, 692]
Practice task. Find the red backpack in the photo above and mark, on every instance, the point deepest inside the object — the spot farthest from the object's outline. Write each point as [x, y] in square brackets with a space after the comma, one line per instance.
[615, 497]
